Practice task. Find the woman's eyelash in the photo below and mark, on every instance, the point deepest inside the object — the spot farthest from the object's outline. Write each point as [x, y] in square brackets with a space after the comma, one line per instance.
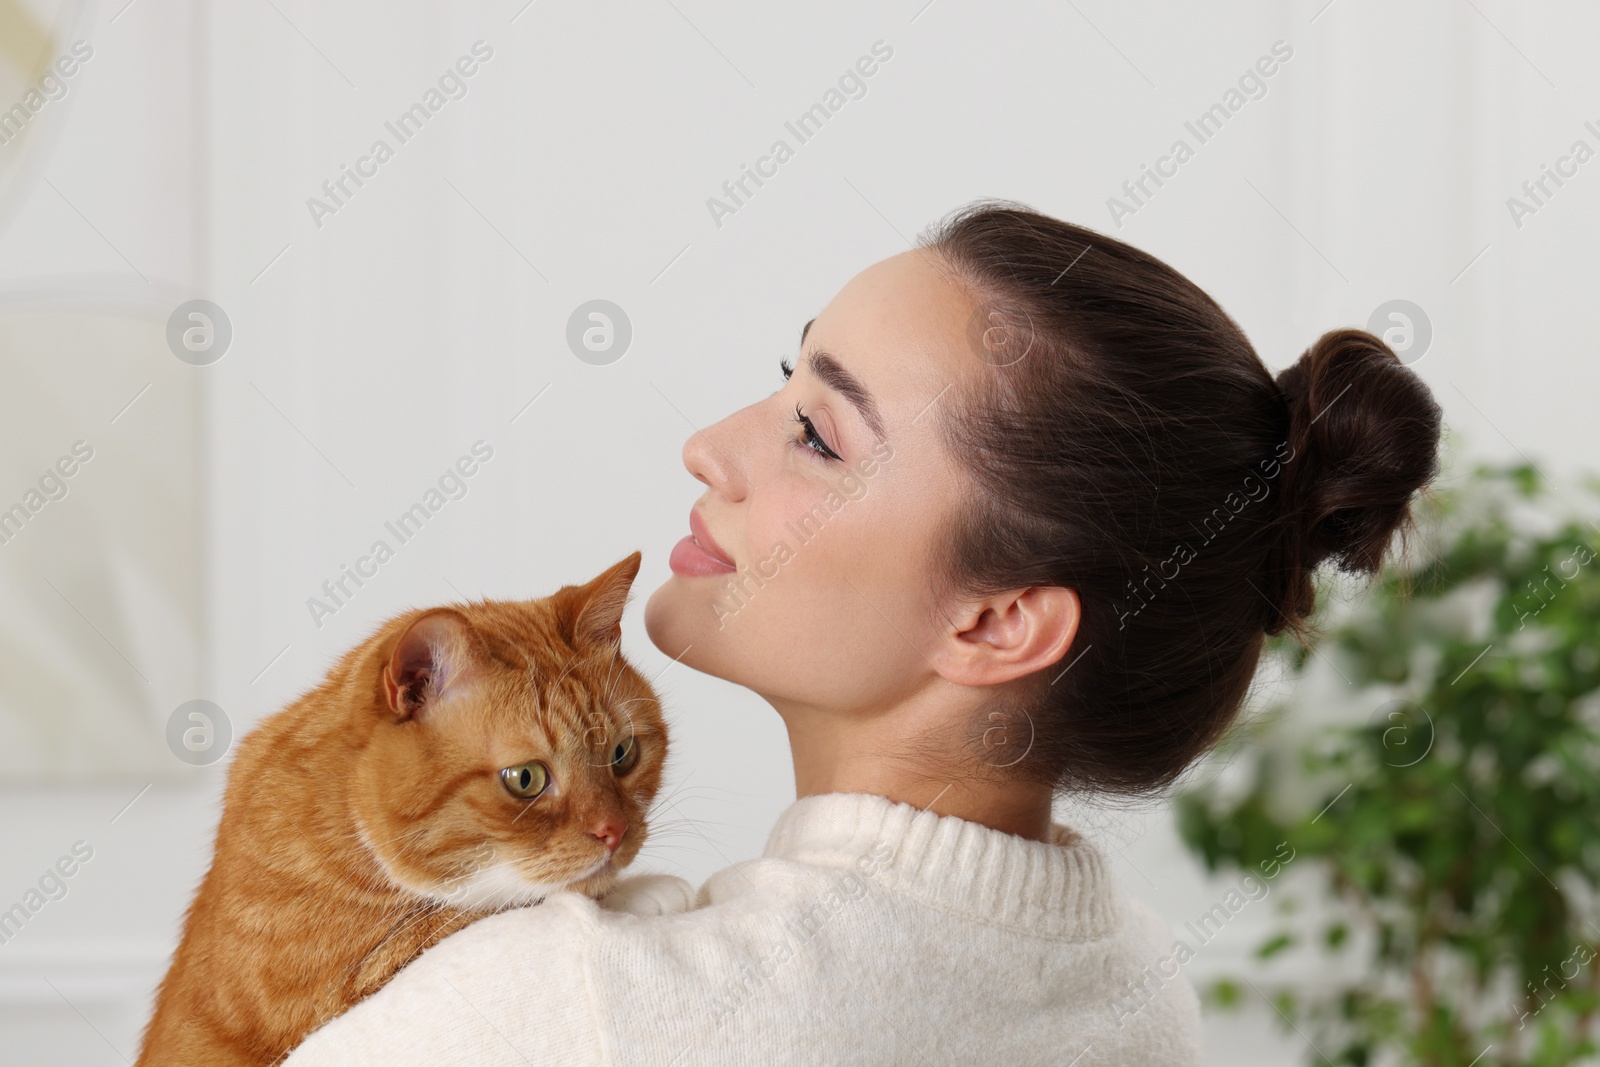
[813, 440]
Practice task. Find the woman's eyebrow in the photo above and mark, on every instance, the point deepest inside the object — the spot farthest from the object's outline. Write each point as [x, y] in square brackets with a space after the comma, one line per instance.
[832, 374]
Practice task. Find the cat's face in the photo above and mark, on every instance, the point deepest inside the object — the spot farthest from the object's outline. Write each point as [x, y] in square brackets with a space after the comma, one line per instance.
[516, 752]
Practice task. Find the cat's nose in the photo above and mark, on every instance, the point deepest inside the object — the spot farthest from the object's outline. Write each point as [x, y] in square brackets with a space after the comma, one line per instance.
[609, 831]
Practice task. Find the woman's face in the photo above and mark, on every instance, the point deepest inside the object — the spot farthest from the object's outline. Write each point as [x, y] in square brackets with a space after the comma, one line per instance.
[806, 572]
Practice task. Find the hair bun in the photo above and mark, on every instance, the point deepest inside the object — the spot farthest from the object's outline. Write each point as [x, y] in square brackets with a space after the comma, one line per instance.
[1363, 437]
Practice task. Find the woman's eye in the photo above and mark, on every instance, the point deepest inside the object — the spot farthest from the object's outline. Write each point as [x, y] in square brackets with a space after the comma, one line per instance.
[810, 437]
[624, 757]
[785, 366]
[526, 780]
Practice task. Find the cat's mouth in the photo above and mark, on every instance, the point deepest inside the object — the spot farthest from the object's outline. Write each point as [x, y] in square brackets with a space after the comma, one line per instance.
[604, 866]
[596, 880]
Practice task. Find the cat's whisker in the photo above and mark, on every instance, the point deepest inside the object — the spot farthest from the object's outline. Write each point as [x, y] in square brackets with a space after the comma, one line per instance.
[663, 827]
[661, 802]
[673, 847]
[714, 823]
[668, 798]
[731, 795]
[698, 853]
[694, 799]
[671, 833]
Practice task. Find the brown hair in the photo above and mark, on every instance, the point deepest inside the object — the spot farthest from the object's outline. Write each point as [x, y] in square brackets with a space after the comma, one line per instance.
[1128, 443]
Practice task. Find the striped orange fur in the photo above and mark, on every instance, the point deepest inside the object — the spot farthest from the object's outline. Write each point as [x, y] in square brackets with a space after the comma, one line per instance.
[371, 817]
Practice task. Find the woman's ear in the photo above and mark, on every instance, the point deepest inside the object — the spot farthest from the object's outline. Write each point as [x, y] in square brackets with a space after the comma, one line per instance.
[1008, 635]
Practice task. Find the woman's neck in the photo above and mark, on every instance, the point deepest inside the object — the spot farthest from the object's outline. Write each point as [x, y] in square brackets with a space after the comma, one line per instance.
[889, 754]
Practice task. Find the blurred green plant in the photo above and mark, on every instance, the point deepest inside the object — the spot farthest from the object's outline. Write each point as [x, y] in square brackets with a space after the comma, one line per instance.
[1455, 835]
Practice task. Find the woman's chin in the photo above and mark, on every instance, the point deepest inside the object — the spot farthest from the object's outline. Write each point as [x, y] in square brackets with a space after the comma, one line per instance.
[663, 619]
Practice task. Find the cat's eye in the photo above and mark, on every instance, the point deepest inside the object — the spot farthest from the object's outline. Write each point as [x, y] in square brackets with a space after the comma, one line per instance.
[625, 756]
[525, 780]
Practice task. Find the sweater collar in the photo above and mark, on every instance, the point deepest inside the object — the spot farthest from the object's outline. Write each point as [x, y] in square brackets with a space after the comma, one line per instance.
[1061, 890]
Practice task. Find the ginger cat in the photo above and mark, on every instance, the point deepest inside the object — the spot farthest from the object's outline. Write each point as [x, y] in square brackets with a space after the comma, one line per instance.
[462, 760]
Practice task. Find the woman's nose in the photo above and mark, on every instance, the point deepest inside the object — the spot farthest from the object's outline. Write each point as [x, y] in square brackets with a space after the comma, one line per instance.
[712, 455]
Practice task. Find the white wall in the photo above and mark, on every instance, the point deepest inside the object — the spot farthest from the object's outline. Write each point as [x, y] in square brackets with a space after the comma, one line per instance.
[428, 311]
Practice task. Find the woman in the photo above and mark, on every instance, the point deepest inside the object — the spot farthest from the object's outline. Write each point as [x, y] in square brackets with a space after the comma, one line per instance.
[1015, 524]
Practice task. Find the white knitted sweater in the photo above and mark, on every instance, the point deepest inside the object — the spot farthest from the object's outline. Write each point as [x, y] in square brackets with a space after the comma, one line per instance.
[870, 932]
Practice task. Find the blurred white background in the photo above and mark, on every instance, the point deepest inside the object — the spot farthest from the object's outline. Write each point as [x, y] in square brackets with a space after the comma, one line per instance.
[373, 344]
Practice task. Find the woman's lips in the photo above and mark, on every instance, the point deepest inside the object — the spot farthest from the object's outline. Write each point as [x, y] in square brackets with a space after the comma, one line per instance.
[699, 555]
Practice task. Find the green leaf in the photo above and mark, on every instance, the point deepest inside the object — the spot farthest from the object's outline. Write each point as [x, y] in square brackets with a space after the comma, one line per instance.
[1274, 946]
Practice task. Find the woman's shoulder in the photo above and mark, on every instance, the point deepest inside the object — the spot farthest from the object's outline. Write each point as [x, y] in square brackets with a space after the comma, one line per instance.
[463, 999]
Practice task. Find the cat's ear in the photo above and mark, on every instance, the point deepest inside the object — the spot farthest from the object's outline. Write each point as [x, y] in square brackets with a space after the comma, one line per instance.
[591, 614]
[436, 655]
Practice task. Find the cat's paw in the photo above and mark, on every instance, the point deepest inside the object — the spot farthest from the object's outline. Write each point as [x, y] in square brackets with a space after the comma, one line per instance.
[649, 894]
